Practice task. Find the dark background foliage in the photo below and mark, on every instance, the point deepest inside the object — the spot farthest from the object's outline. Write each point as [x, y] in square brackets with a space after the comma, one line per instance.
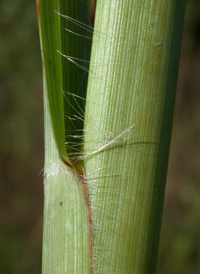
[22, 148]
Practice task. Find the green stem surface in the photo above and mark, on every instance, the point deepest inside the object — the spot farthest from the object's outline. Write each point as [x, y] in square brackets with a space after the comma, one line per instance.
[66, 238]
[131, 94]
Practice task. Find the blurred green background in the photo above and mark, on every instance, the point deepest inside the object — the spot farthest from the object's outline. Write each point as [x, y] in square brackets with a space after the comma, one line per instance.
[22, 148]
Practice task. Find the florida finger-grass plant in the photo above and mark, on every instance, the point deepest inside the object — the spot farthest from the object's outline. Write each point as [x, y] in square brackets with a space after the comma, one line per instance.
[106, 161]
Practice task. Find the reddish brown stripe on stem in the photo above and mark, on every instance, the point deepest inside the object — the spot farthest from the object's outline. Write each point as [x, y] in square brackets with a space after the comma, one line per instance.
[67, 163]
[38, 7]
[92, 14]
[44, 177]
[88, 204]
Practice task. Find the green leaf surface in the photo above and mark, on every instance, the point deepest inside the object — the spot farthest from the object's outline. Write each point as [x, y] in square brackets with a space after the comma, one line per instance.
[50, 37]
